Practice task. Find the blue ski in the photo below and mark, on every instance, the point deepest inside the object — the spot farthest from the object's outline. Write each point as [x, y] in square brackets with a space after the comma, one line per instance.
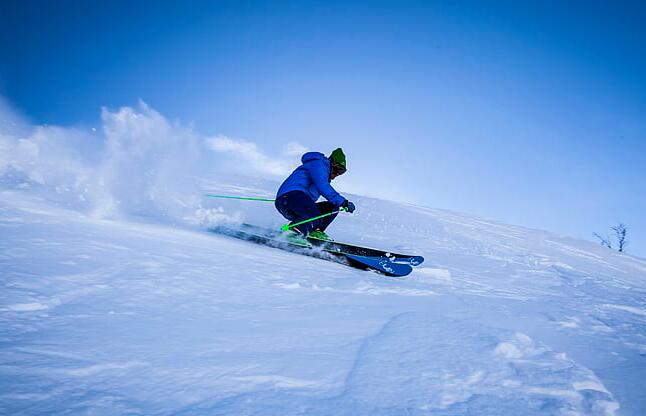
[382, 264]
[354, 256]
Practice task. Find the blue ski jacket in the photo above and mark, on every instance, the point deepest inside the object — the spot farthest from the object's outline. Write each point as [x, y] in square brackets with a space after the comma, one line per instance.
[313, 178]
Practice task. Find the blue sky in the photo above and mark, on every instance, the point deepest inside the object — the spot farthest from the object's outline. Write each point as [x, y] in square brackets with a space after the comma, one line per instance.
[532, 113]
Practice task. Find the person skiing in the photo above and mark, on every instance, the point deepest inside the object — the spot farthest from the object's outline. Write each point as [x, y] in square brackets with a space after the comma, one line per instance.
[296, 197]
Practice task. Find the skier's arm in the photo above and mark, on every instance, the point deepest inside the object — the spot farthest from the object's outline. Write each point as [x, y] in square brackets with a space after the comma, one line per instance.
[320, 177]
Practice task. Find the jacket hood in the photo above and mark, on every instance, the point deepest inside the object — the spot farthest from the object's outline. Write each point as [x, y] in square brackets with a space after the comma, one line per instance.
[310, 156]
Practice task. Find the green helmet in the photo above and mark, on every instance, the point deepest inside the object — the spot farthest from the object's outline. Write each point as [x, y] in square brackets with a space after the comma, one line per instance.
[338, 158]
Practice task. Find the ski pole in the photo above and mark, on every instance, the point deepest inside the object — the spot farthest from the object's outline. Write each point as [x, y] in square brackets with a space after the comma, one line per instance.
[239, 197]
[286, 227]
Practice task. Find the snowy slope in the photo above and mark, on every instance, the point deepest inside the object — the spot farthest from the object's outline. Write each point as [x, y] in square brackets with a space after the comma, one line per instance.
[116, 300]
[122, 317]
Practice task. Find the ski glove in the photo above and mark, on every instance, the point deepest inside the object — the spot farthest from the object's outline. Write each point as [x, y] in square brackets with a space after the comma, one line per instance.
[349, 206]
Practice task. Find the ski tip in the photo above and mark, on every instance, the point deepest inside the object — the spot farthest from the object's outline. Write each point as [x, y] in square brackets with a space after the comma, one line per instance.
[415, 260]
[382, 264]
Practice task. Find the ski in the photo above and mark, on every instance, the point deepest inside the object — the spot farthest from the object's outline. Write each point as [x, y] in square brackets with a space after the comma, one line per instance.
[345, 248]
[276, 239]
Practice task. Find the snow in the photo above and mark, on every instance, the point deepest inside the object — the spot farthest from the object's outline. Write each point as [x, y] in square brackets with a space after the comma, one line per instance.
[26, 307]
[112, 307]
[111, 316]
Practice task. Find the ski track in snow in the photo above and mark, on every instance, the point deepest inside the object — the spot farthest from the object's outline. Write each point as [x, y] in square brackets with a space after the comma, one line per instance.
[117, 317]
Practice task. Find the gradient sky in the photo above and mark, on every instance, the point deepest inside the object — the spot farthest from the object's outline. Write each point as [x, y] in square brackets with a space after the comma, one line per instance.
[532, 113]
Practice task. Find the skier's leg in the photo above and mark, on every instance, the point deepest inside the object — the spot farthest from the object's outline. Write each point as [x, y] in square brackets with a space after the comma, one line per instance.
[282, 205]
[305, 209]
[296, 206]
[325, 207]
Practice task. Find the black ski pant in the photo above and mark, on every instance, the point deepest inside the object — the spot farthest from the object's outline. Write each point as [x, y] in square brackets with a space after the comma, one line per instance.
[297, 206]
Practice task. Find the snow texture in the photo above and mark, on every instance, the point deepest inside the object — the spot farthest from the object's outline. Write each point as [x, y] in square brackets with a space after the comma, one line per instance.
[116, 300]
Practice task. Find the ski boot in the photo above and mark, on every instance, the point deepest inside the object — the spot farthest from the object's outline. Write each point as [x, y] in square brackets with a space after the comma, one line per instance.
[319, 235]
[293, 236]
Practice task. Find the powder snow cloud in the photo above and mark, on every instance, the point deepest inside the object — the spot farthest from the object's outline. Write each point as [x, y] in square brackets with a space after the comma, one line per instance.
[136, 162]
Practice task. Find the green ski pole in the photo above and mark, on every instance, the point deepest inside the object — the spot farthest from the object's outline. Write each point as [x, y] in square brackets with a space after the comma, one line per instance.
[286, 227]
[239, 197]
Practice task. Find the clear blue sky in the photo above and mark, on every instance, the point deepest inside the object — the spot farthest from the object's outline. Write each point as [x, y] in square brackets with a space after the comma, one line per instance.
[532, 113]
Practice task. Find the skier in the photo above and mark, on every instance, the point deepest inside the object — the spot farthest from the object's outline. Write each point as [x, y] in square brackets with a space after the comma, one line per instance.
[296, 197]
